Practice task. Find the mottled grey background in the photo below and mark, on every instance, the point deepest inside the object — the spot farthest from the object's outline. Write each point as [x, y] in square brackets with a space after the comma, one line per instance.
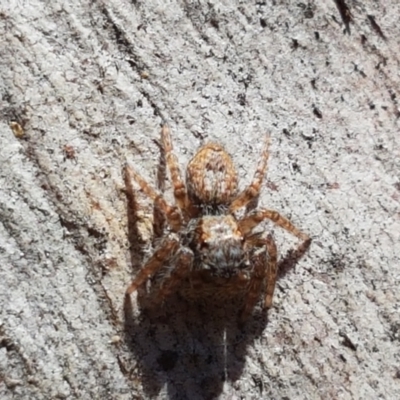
[89, 83]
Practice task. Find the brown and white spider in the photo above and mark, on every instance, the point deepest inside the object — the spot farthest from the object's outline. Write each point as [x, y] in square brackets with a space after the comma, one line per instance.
[206, 249]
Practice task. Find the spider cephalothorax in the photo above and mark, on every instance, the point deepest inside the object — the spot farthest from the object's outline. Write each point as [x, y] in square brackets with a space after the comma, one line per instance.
[218, 245]
[206, 248]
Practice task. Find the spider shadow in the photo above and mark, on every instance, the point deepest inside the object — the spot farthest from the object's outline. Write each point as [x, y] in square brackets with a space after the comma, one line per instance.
[293, 256]
[189, 349]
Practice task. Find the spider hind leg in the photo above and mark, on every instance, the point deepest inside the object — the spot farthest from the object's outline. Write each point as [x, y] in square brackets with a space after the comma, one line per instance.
[253, 190]
[263, 275]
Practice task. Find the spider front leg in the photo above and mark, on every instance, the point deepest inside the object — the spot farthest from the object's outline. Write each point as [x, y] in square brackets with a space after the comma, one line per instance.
[171, 213]
[180, 192]
[253, 190]
[265, 268]
[167, 248]
[250, 221]
[182, 265]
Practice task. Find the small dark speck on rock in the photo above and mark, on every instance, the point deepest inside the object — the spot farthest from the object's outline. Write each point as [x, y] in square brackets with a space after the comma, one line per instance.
[313, 83]
[363, 39]
[317, 112]
[214, 23]
[241, 99]
[296, 167]
[308, 13]
[347, 342]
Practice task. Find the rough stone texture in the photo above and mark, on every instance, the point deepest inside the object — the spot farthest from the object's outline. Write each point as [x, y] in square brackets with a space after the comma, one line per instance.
[89, 83]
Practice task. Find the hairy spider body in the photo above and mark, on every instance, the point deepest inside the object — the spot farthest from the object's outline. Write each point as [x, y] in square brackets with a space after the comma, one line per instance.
[207, 250]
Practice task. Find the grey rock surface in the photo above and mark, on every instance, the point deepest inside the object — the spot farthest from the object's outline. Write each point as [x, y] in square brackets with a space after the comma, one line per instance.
[84, 88]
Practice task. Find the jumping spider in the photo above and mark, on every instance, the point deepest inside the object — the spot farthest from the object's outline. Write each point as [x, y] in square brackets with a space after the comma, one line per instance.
[207, 249]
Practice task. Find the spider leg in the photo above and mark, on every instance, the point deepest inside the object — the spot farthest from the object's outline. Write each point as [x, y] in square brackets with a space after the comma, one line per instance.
[247, 223]
[255, 285]
[271, 270]
[180, 192]
[265, 268]
[168, 246]
[253, 190]
[182, 265]
[171, 212]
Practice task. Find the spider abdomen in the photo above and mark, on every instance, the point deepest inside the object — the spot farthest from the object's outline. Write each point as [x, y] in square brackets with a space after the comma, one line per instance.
[211, 176]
